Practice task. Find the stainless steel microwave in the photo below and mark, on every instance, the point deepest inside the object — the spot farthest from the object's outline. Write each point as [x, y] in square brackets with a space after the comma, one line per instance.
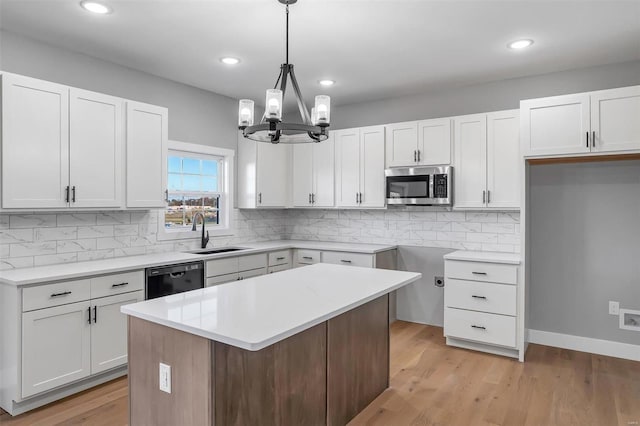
[421, 186]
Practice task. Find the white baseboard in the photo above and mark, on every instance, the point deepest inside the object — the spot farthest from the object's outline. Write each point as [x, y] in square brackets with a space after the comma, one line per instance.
[585, 344]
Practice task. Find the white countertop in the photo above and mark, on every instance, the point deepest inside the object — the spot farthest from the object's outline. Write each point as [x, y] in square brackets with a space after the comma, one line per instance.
[484, 256]
[66, 271]
[257, 312]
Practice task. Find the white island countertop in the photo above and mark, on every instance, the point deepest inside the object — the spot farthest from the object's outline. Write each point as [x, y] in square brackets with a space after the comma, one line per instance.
[257, 312]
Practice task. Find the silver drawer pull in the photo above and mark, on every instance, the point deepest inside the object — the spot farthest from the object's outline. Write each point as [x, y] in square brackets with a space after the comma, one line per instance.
[479, 273]
[65, 293]
[479, 327]
[345, 261]
[307, 257]
[479, 297]
[119, 285]
[280, 258]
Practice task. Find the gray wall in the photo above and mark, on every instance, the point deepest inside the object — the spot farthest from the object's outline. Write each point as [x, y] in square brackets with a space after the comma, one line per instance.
[195, 115]
[494, 96]
[585, 248]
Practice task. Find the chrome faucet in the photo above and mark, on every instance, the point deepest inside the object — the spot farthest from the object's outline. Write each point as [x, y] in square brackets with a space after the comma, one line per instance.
[205, 240]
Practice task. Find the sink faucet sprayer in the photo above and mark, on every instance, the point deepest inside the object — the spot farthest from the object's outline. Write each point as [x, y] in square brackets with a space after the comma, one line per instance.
[205, 240]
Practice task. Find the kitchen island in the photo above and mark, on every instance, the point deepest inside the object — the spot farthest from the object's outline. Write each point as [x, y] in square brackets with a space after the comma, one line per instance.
[305, 346]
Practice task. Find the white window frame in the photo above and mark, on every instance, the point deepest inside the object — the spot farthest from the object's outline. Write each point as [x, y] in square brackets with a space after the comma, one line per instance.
[225, 227]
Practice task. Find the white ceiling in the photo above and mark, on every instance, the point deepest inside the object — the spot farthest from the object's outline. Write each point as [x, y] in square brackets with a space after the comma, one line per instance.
[374, 49]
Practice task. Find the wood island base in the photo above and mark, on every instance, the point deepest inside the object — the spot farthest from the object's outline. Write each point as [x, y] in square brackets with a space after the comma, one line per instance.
[324, 375]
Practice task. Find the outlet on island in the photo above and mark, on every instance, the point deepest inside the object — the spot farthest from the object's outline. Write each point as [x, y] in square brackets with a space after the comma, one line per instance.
[165, 378]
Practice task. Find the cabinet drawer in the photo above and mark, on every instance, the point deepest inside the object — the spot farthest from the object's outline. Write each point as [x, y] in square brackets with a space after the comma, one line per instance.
[278, 268]
[280, 257]
[46, 296]
[479, 296]
[117, 284]
[480, 327]
[221, 279]
[253, 261]
[350, 259]
[481, 271]
[307, 257]
[228, 265]
[243, 275]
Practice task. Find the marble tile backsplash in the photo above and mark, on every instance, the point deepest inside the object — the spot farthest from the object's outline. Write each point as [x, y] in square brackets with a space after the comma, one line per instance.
[415, 226]
[48, 238]
[37, 239]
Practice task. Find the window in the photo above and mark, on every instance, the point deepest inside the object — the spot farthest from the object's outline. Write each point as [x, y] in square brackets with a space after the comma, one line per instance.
[197, 181]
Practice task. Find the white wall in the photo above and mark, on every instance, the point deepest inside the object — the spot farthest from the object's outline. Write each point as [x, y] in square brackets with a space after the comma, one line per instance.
[195, 115]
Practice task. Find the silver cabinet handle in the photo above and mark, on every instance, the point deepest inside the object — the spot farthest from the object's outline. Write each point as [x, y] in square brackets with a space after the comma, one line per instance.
[479, 273]
[479, 327]
[95, 314]
[309, 198]
[415, 156]
[488, 196]
[280, 258]
[587, 139]
[66, 198]
[313, 198]
[345, 261]
[484, 196]
[418, 156]
[479, 297]
[64, 293]
[119, 285]
[89, 312]
[357, 200]
[260, 197]
[593, 139]
[307, 257]
[73, 194]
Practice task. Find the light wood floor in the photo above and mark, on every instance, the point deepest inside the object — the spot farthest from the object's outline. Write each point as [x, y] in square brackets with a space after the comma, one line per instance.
[433, 384]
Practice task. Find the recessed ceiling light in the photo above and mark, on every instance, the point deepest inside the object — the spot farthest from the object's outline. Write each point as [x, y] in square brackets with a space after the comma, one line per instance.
[229, 60]
[96, 7]
[520, 44]
[327, 83]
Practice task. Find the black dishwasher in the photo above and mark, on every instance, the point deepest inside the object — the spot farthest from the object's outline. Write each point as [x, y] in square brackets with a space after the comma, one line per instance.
[172, 279]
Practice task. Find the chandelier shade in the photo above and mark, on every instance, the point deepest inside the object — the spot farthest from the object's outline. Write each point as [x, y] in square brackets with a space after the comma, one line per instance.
[272, 127]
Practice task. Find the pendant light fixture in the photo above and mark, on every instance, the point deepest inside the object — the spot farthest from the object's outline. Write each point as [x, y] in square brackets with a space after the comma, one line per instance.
[272, 128]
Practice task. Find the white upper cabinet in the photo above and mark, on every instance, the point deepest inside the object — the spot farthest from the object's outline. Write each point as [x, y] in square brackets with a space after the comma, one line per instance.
[95, 149]
[615, 119]
[263, 174]
[470, 172]
[360, 161]
[419, 143]
[596, 122]
[35, 143]
[487, 161]
[402, 144]
[434, 142]
[312, 167]
[146, 155]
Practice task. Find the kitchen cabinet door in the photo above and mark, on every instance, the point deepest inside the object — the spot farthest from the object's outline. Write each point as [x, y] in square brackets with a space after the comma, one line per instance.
[347, 167]
[272, 175]
[434, 142]
[615, 119]
[56, 344]
[146, 153]
[470, 173]
[556, 125]
[504, 163]
[95, 149]
[302, 169]
[109, 331]
[402, 144]
[372, 179]
[323, 173]
[35, 143]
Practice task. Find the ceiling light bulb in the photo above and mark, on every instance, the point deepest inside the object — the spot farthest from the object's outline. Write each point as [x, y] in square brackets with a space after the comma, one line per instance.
[95, 7]
[520, 44]
[229, 60]
[327, 82]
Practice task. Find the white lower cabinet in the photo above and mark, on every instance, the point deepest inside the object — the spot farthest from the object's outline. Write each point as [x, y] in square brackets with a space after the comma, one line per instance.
[481, 305]
[56, 347]
[63, 342]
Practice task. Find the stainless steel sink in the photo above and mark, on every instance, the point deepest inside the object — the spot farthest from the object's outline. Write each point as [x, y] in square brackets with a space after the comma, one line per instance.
[216, 251]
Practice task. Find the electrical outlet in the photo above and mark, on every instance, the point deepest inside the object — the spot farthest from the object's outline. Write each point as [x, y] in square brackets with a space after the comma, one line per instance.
[614, 308]
[165, 378]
